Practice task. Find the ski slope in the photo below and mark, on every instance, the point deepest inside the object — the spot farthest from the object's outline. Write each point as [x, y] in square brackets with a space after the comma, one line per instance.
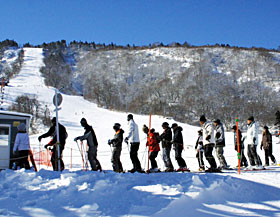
[85, 193]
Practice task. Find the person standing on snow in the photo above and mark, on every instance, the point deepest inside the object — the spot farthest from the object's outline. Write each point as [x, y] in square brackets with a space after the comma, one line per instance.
[62, 140]
[208, 142]
[116, 142]
[267, 146]
[178, 145]
[252, 141]
[22, 145]
[153, 143]
[243, 160]
[200, 150]
[166, 143]
[220, 143]
[90, 136]
[133, 139]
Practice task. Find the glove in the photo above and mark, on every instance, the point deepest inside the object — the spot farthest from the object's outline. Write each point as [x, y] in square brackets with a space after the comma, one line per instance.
[126, 140]
[46, 146]
[39, 138]
[208, 137]
[76, 139]
[254, 140]
[261, 147]
[109, 142]
[218, 135]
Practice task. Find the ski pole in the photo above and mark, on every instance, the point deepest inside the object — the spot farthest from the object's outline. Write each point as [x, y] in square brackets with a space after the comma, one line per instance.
[86, 160]
[80, 153]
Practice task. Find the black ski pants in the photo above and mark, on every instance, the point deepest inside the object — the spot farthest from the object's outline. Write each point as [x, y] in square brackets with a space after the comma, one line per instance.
[253, 156]
[152, 158]
[92, 157]
[199, 156]
[268, 154]
[116, 162]
[134, 147]
[54, 159]
[23, 159]
[178, 156]
[208, 149]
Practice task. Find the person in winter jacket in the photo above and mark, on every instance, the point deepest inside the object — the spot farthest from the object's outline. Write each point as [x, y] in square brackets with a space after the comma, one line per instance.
[166, 143]
[200, 150]
[153, 143]
[208, 142]
[92, 143]
[243, 160]
[133, 139]
[220, 143]
[252, 141]
[116, 142]
[178, 145]
[267, 146]
[53, 143]
[22, 145]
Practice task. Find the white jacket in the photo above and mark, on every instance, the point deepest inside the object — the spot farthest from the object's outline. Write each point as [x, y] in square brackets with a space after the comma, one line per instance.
[22, 142]
[208, 129]
[252, 132]
[133, 134]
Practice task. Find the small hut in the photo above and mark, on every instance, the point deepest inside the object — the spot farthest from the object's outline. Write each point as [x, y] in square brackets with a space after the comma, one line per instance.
[8, 131]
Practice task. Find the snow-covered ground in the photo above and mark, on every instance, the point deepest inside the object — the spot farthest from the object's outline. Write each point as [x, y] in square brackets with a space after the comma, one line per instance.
[75, 192]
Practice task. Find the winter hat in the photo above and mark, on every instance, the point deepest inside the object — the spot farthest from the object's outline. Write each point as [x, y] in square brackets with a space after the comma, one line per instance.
[202, 118]
[130, 116]
[174, 125]
[21, 127]
[83, 120]
[217, 121]
[234, 127]
[251, 118]
[145, 129]
[165, 124]
[54, 120]
[117, 126]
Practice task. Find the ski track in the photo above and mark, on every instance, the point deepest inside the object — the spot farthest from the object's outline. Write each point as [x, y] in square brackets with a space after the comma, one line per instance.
[74, 192]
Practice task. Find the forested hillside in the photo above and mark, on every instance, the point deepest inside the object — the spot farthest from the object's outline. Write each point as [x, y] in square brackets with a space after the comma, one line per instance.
[180, 81]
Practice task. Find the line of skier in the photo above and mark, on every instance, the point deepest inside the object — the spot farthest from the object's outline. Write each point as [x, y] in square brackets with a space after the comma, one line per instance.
[210, 136]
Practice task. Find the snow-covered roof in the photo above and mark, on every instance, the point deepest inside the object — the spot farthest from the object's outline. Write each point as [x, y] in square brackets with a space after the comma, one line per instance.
[2, 112]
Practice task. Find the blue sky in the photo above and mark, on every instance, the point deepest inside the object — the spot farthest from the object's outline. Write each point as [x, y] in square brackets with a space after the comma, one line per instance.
[141, 22]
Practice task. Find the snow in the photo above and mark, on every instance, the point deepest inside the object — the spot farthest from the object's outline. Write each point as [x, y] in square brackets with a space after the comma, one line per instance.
[75, 192]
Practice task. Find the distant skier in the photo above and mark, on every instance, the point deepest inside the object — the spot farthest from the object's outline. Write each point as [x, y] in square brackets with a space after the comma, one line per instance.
[208, 142]
[243, 160]
[116, 142]
[252, 141]
[267, 146]
[178, 145]
[133, 139]
[53, 143]
[90, 136]
[220, 143]
[199, 149]
[166, 143]
[22, 145]
[153, 143]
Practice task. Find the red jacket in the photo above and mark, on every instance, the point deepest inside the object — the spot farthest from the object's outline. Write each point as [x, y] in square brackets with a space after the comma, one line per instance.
[152, 142]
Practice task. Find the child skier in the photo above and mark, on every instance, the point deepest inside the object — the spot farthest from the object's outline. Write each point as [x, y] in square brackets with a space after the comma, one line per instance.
[153, 143]
[116, 142]
[200, 150]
